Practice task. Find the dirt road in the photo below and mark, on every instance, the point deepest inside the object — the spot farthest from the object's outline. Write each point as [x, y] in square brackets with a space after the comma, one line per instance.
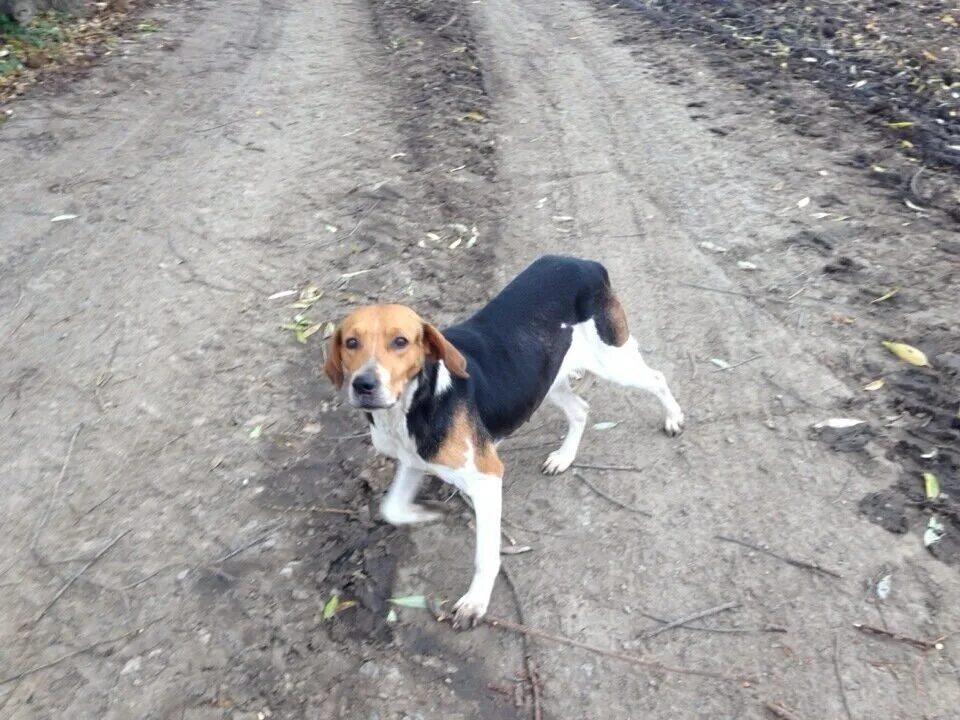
[183, 494]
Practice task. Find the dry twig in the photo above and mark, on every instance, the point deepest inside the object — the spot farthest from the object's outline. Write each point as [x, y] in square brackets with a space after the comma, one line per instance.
[529, 666]
[632, 659]
[836, 669]
[790, 561]
[73, 654]
[76, 577]
[916, 642]
[736, 631]
[690, 618]
[617, 468]
[610, 499]
[56, 488]
[779, 711]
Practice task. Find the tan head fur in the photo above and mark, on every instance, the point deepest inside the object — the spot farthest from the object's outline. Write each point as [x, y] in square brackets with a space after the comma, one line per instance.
[388, 343]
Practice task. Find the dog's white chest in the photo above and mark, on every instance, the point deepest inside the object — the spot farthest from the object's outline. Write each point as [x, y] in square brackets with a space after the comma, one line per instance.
[390, 436]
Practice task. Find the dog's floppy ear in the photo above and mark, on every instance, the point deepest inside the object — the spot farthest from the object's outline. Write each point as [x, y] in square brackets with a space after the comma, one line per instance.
[439, 348]
[333, 367]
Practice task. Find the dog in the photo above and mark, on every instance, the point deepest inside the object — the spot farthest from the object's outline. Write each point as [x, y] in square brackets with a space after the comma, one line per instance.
[439, 402]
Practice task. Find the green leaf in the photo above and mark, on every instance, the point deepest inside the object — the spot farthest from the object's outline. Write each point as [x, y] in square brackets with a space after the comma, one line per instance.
[257, 431]
[605, 425]
[931, 485]
[392, 616]
[410, 601]
[330, 609]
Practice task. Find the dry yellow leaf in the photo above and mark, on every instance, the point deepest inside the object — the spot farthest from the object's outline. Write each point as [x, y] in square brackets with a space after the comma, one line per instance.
[875, 385]
[907, 353]
[886, 296]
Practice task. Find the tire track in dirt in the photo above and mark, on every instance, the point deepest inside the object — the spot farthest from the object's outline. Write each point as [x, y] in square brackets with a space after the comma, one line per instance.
[277, 145]
[601, 157]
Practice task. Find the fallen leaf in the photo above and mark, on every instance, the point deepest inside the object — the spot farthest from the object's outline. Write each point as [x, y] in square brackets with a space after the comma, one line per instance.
[330, 608]
[903, 124]
[875, 385]
[61, 218]
[934, 532]
[907, 353]
[707, 245]
[803, 202]
[929, 56]
[884, 586]
[878, 168]
[746, 265]
[257, 431]
[931, 485]
[312, 428]
[913, 206]
[838, 423]
[410, 601]
[886, 296]
[475, 115]
[722, 364]
[392, 616]
[282, 294]
[515, 549]
[605, 425]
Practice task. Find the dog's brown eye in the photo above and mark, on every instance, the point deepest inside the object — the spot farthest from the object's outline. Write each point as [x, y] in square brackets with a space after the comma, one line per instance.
[352, 343]
[400, 342]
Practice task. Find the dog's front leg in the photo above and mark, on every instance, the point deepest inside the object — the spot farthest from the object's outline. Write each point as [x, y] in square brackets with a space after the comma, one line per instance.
[398, 507]
[485, 492]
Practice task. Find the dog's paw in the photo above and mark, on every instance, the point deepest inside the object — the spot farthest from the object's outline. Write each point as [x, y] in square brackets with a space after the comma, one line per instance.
[408, 515]
[673, 425]
[556, 462]
[468, 611]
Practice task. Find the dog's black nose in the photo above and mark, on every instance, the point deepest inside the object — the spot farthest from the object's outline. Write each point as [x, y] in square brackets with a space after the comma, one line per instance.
[365, 383]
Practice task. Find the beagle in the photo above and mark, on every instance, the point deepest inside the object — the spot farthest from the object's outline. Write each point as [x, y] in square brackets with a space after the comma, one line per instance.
[439, 402]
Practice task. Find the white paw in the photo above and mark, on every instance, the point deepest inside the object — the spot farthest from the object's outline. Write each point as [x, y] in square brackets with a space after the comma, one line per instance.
[557, 462]
[673, 425]
[468, 611]
[408, 515]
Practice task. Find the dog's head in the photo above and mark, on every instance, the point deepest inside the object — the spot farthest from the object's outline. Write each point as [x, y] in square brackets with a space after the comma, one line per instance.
[379, 349]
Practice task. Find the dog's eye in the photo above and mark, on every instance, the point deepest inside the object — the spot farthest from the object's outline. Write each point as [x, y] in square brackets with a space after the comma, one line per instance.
[400, 342]
[352, 343]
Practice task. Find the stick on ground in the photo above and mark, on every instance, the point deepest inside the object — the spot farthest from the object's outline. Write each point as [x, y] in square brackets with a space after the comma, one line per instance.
[836, 669]
[916, 642]
[610, 499]
[803, 565]
[56, 488]
[779, 711]
[81, 651]
[733, 631]
[690, 618]
[503, 624]
[73, 579]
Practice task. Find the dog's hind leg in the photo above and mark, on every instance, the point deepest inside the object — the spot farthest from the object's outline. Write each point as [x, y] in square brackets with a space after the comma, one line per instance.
[625, 365]
[611, 352]
[575, 408]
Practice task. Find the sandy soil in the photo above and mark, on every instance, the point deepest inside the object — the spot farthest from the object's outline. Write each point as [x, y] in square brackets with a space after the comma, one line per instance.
[183, 492]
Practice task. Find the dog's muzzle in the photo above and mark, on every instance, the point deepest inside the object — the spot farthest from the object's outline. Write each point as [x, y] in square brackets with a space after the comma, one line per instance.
[367, 392]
